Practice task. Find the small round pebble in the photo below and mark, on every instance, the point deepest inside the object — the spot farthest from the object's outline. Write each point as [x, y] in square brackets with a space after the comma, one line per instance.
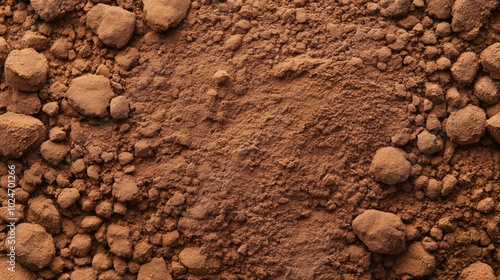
[467, 125]
[390, 166]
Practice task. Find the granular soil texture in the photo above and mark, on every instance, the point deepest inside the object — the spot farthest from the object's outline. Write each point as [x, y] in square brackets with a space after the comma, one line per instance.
[248, 139]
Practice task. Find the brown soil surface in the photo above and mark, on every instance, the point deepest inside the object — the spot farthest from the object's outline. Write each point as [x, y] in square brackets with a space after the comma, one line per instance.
[240, 139]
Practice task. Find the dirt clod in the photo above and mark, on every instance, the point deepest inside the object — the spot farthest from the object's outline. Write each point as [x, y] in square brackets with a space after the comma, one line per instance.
[390, 166]
[429, 143]
[34, 246]
[465, 68]
[490, 60]
[467, 125]
[486, 90]
[118, 240]
[156, 269]
[477, 270]
[113, 25]
[394, 8]
[19, 133]
[381, 232]
[416, 262]
[68, 197]
[49, 10]
[162, 15]
[52, 152]
[119, 108]
[21, 77]
[90, 95]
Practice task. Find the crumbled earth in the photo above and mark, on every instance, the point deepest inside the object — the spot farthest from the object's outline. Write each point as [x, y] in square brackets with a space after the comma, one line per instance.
[250, 139]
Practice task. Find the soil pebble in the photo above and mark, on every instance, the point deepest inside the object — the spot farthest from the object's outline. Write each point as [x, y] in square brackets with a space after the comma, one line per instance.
[19, 133]
[118, 240]
[90, 95]
[51, 108]
[467, 125]
[416, 262]
[440, 9]
[493, 127]
[34, 40]
[381, 232]
[429, 143]
[486, 90]
[49, 10]
[469, 14]
[465, 68]
[113, 25]
[193, 259]
[156, 269]
[119, 108]
[101, 262]
[24, 103]
[144, 149]
[43, 212]
[68, 197]
[394, 8]
[163, 14]
[26, 70]
[125, 189]
[477, 271]
[434, 92]
[390, 166]
[80, 245]
[490, 60]
[34, 246]
[52, 152]
[449, 184]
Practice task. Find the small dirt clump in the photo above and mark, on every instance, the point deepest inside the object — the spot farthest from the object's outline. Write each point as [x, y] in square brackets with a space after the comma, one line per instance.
[90, 95]
[381, 232]
[26, 70]
[490, 60]
[465, 69]
[486, 90]
[162, 14]
[114, 25]
[34, 246]
[156, 269]
[476, 271]
[18, 133]
[467, 125]
[390, 166]
[416, 262]
[49, 10]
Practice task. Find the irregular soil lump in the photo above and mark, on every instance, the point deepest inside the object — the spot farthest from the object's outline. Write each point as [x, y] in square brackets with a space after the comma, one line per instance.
[416, 262]
[26, 70]
[381, 232]
[114, 25]
[19, 133]
[49, 10]
[162, 14]
[490, 60]
[476, 271]
[34, 246]
[467, 125]
[90, 95]
[390, 166]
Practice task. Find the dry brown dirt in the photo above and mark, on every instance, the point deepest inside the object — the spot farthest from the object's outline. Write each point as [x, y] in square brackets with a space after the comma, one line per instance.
[248, 139]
